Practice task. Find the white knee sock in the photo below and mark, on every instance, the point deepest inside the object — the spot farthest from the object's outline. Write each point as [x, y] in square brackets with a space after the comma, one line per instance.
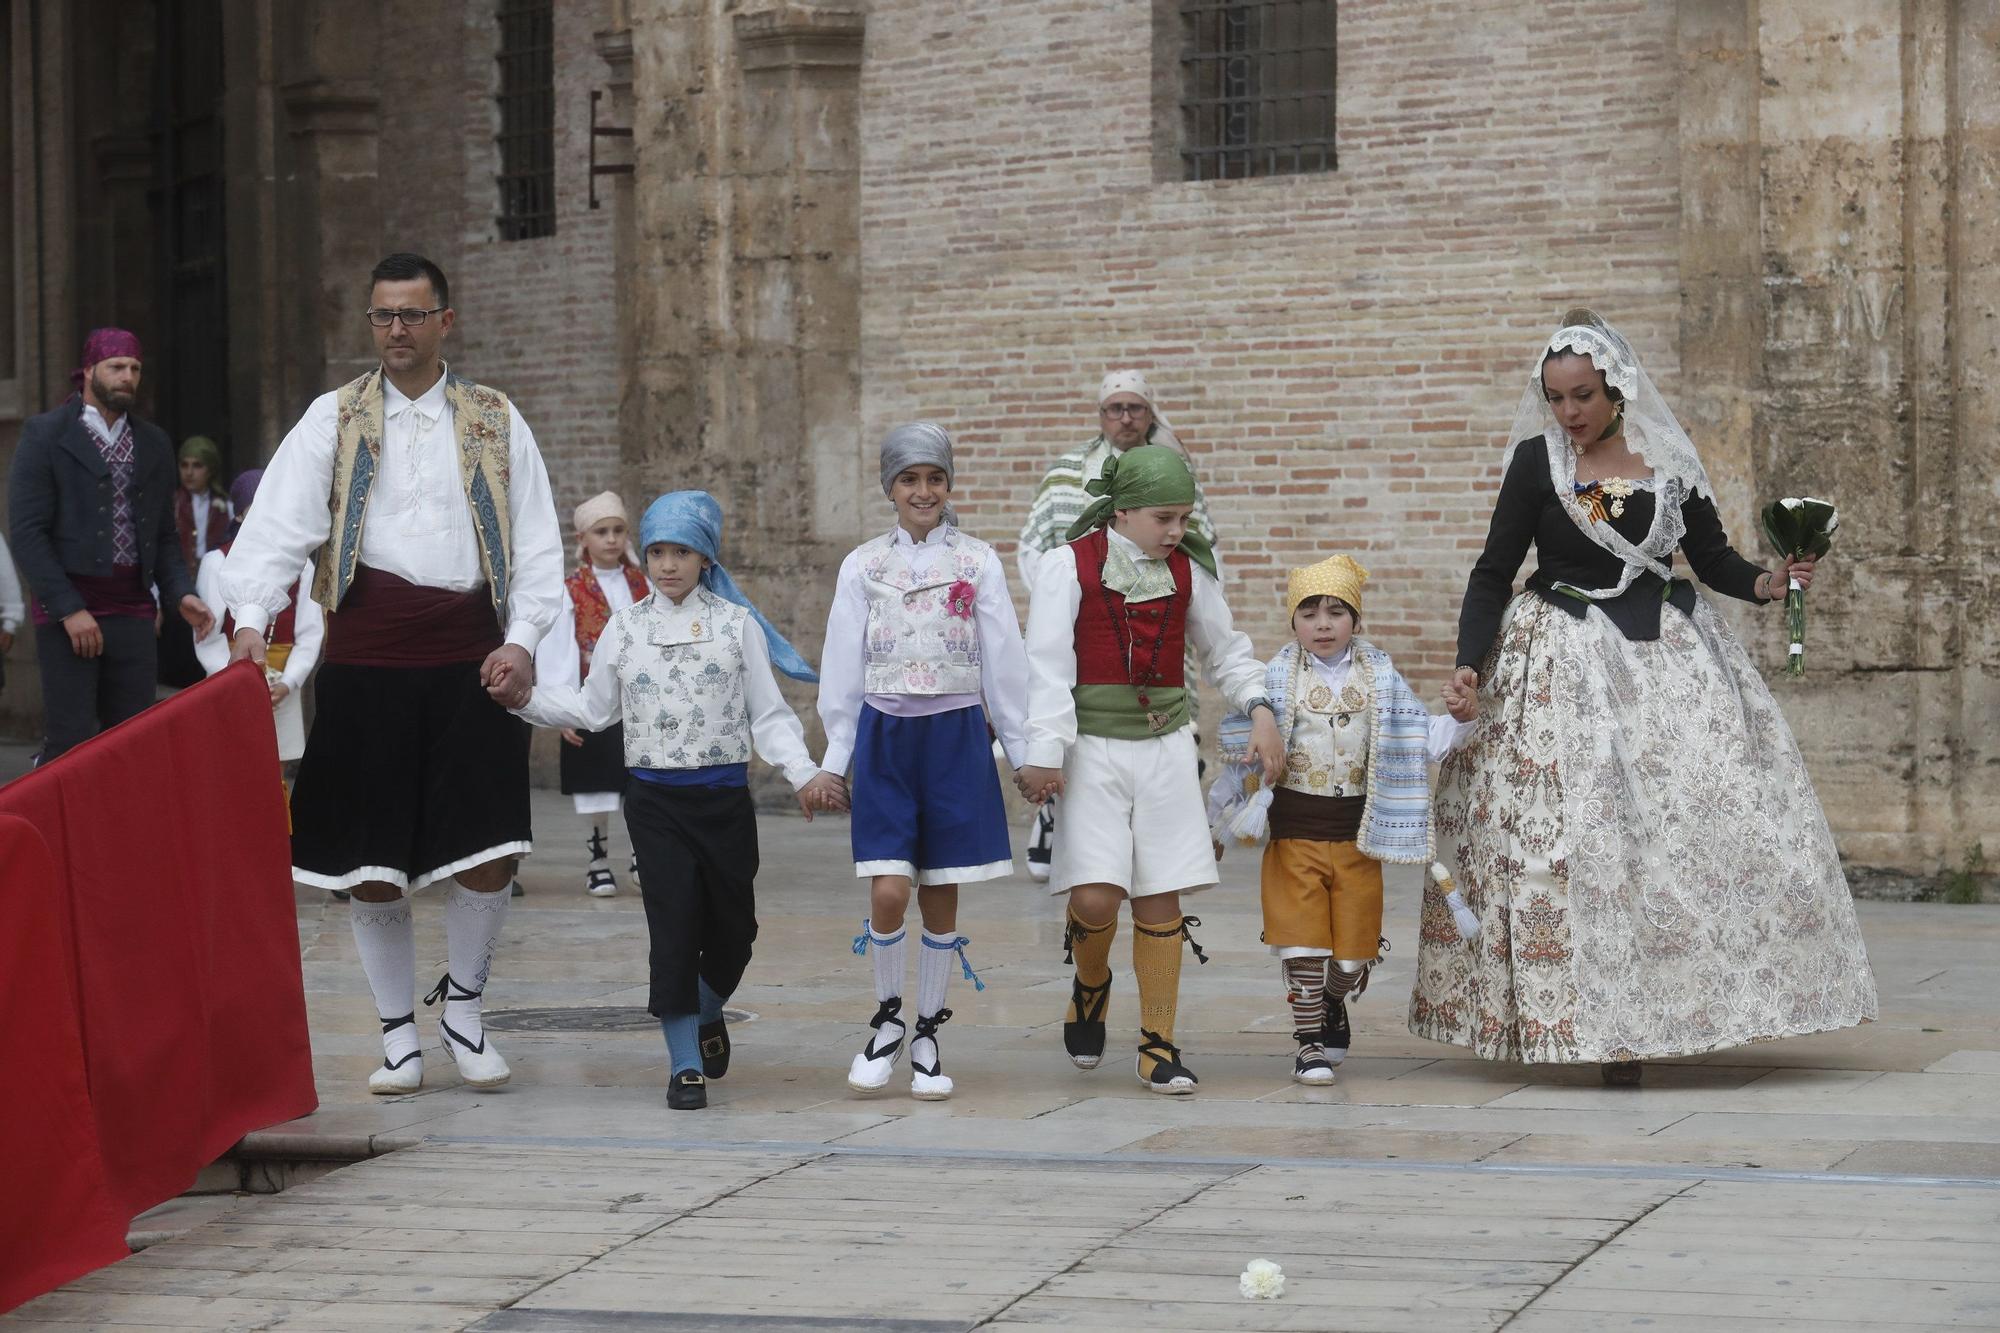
[889, 951]
[387, 943]
[472, 924]
[934, 963]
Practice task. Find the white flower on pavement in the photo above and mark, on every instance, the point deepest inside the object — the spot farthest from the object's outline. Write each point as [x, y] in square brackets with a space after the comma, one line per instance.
[1262, 1281]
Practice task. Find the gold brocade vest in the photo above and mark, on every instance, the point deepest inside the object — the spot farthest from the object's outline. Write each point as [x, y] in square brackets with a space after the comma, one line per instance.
[480, 423]
[1327, 752]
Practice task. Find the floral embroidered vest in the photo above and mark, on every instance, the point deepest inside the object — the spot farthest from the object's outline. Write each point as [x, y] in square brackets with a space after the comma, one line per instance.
[593, 612]
[1327, 752]
[481, 425]
[680, 674]
[921, 640]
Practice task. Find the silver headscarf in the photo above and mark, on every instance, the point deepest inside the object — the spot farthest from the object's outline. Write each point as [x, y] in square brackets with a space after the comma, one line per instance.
[918, 444]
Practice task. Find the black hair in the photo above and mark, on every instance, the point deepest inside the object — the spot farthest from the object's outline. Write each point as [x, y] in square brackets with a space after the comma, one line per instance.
[1584, 316]
[1339, 604]
[406, 267]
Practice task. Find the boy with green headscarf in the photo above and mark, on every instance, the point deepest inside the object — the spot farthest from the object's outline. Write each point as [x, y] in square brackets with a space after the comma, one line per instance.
[1109, 622]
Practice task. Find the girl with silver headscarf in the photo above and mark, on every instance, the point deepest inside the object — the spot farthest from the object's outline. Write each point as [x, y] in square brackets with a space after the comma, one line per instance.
[1632, 820]
[922, 652]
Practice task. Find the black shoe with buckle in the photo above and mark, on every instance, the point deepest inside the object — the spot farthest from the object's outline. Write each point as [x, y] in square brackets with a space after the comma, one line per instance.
[687, 1092]
[715, 1048]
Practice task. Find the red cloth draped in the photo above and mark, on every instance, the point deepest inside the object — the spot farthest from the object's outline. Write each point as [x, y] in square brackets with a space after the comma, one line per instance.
[175, 996]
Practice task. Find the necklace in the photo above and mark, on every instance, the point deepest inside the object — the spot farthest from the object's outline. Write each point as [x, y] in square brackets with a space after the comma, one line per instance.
[1121, 627]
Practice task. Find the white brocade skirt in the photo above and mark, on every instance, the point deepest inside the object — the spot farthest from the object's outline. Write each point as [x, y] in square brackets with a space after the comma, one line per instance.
[1634, 826]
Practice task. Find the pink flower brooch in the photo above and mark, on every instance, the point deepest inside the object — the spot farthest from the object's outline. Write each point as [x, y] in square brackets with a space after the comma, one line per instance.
[958, 599]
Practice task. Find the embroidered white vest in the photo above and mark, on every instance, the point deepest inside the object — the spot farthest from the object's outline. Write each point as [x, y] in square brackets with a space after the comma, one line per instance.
[1327, 754]
[914, 643]
[680, 680]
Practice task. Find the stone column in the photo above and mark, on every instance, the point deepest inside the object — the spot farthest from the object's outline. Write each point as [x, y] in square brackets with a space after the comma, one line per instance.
[745, 312]
[1962, 506]
[1722, 300]
[332, 220]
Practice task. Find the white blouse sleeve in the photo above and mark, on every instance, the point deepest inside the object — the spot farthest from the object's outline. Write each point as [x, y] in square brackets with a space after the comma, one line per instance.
[1051, 648]
[287, 524]
[1003, 661]
[775, 730]
[213, 651]
[1226, 652]
[840, 667]
[308, 633]
[592, 708]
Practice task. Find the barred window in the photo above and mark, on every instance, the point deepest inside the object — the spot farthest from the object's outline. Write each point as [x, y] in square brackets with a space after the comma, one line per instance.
[1256, 87]
[527, 138]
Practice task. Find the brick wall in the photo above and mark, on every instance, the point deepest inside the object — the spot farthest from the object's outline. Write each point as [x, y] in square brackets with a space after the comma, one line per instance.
[537, 318]
[1342, 352]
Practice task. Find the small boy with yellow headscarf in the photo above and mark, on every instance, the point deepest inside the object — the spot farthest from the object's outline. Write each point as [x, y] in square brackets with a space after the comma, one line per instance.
[1355, 792]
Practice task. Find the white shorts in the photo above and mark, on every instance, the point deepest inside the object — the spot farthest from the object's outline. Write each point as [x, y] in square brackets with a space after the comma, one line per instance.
[1132, 815]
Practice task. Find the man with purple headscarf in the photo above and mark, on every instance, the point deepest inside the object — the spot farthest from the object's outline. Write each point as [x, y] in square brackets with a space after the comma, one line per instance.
[91, 509]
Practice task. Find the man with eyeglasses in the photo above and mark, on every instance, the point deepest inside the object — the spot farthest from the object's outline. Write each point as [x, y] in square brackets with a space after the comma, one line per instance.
[425, 507]
[1126, 417]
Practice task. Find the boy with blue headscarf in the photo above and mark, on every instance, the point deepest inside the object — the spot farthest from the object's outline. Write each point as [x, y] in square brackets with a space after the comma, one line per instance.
[688, 670]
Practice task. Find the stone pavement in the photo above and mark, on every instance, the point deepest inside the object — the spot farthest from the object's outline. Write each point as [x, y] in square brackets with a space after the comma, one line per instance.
[1825, 1183]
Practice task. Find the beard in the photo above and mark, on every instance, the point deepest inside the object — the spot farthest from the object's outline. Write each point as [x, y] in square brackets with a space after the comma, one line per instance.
[118, 400]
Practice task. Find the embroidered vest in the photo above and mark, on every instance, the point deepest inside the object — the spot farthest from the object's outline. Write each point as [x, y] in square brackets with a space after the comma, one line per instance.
[215, 524]
[283, 627]
[480, 423]
[593, 611]
[680, 674]
[914, 644]
[1327, 753]
[1108, 702]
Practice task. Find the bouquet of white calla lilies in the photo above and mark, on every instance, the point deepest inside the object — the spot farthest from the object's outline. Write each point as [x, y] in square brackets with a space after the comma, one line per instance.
[1799, 527]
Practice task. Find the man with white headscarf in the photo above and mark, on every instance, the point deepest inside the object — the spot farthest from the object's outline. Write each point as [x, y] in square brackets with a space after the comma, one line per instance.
[1127, 415]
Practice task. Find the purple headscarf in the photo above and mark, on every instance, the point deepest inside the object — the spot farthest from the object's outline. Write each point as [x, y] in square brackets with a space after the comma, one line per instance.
[102, 345]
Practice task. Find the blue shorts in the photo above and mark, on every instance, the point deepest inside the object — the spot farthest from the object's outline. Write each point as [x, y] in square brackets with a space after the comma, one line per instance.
[927, 801]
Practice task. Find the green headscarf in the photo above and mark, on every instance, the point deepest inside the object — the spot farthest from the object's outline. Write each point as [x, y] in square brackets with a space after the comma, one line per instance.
[1142, 478]
[204, 450]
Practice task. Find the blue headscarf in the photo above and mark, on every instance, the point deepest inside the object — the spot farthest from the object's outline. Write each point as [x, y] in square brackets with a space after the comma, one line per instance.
[693, 519]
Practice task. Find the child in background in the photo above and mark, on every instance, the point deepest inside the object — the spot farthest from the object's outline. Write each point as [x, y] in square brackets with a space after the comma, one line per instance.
[606, 580]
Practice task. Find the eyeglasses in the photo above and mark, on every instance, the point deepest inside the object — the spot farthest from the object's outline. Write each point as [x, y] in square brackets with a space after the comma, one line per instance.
[1133, 410]
[382, 319]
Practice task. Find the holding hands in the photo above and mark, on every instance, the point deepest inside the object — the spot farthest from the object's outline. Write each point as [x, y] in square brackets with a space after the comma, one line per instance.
[827, 791]
[1037, 784]
[508, 674]
[1461, 695]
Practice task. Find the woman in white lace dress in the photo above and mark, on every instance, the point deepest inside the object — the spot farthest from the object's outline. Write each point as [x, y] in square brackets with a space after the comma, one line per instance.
[1632, 822]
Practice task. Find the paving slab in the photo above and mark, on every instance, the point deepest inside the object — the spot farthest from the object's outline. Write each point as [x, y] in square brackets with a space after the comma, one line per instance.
[1846, 1180]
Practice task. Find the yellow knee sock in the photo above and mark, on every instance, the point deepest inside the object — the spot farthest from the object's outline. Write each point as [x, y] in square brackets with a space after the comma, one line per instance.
[1156, 961]
[1090, 946]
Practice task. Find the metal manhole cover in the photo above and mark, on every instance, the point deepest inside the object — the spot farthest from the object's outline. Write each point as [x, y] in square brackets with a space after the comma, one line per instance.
[593, 1018]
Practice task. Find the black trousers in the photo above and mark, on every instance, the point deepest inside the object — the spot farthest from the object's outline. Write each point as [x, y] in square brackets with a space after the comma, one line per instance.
[697, 849]
[84, 695]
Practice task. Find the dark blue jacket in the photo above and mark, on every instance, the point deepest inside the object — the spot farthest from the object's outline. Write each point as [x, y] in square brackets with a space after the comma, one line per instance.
[59, 509]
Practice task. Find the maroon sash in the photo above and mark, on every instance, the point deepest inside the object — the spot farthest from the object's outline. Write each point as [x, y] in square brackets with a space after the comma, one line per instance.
[388, 621]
